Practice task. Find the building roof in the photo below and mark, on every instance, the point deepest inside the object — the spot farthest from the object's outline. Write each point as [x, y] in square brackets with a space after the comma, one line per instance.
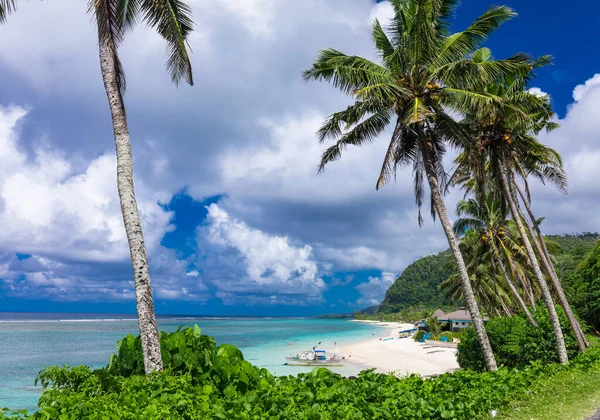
[460, 315]
[438, 314]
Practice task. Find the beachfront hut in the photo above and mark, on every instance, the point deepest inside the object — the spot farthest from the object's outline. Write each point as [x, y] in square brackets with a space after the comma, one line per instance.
[439, 314]
[458, 319]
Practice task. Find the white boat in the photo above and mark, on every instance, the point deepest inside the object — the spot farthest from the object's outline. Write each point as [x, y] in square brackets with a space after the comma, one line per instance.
[314, 358]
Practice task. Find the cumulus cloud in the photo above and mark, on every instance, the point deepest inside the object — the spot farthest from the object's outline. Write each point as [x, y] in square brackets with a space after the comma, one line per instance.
[581, 90]
[349, 223]
[537, 91]
[48, 207]
[578, 142]
[373, 291]
[70, 223]
[271, 265]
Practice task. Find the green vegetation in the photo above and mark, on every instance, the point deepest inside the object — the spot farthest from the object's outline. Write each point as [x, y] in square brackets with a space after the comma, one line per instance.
[416, 292]
[570, 250]
[584, 286]
[418, 285]
[516, 342]
[576, 392]
[203, 381]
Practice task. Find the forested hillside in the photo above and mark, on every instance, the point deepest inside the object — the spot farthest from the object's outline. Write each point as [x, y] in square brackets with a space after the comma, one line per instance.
[583, 287]
[418, 284]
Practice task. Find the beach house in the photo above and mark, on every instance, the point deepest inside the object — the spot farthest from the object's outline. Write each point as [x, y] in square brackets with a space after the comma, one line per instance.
[458, 319]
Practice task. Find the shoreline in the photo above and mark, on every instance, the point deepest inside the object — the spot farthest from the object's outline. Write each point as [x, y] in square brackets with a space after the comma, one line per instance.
[398, 356]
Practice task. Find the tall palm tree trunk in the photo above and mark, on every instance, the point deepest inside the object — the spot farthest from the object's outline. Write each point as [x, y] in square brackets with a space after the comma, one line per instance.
[468, 294]
[503, 304]
[511, 286]
[542, 250]
[131, 218]
[527, 287]
[561, 349]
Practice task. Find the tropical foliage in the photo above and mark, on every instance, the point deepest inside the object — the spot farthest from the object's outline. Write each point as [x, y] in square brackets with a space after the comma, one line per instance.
[204, 388]
[516, 342]
[584, 285]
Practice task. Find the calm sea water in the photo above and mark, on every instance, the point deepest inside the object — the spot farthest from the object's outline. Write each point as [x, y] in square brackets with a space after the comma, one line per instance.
[31, 341]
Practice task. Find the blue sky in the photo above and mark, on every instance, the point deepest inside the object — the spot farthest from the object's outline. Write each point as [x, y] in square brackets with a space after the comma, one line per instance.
[236, 220]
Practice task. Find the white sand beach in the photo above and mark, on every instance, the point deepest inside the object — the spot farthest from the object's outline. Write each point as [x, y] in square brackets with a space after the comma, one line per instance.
[399, 356]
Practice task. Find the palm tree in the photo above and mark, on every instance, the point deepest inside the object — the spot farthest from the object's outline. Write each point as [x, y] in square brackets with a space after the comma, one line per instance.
[435, 328]
[489, 292]
[425, 72]
[172, 20]
[505, 131]
[539, 243]
[488, 220]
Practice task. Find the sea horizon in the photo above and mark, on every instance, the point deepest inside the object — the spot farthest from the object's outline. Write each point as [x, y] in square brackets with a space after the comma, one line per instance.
[41, 316]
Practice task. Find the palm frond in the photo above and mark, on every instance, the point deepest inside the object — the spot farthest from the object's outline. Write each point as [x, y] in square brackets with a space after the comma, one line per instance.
[460, 100]
[173, 21]
[347, 73]
[389, 164]
[382, 42]
[471, 75]
[334, 125]
[128, 11]
[460, 45]
[362, 133]
[6, 8]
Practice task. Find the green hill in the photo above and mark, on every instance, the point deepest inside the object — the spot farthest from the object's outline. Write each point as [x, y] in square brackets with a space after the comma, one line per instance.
[582, 286]
[418, 284]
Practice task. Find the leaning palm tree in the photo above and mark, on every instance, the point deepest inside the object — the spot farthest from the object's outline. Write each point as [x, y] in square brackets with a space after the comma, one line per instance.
[172, 20]
[547, 167]
[489, 222]
[425, 72]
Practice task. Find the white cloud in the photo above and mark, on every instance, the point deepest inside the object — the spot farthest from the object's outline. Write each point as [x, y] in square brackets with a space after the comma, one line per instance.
[581, 90]
[255, 15]
[349, 223]
[373, 291]
[49, 208]
[537, 91]
[578, 142]
[383, 12]
[357, 258]
[70, 221]
[271, 262]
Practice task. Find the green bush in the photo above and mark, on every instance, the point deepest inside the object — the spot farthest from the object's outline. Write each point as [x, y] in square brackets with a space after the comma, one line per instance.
[419, 335]
[515, 342]
[187, 351]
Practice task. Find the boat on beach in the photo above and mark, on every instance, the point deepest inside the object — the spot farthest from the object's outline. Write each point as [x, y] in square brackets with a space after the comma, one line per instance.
[314, 358]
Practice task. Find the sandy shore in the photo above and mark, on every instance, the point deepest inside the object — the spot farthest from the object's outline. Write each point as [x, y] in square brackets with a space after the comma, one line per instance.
[399, 356]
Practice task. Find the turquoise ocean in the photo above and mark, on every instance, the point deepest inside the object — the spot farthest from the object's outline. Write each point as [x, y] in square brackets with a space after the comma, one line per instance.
[31, 341]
